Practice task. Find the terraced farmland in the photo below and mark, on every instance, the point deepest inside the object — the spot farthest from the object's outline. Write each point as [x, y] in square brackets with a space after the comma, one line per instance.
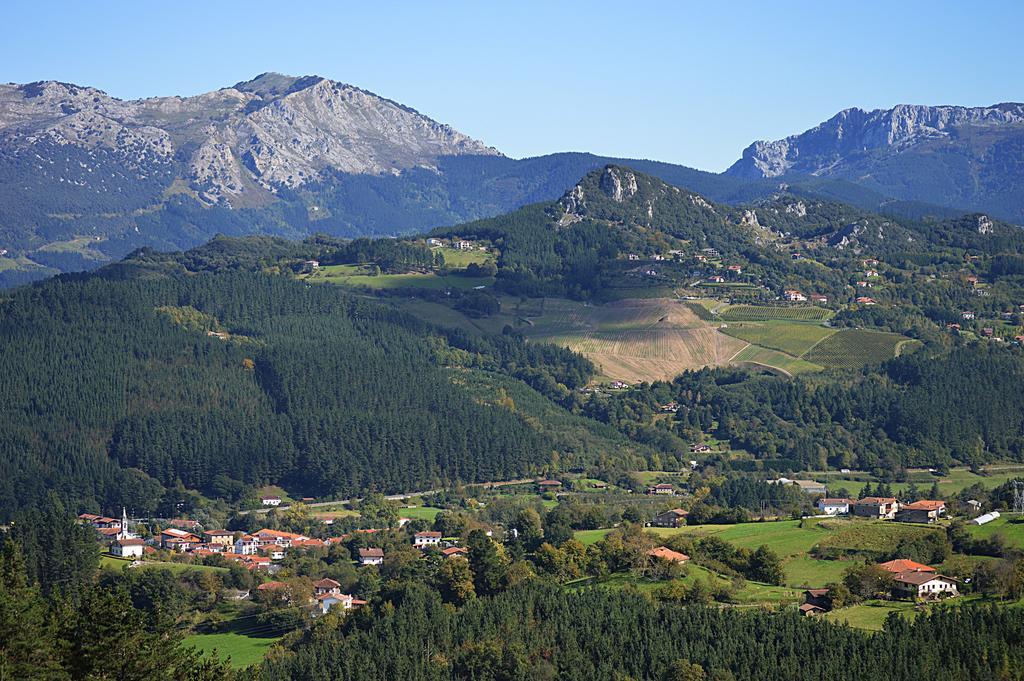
[760, 313]
[853, 348]
[755, 354]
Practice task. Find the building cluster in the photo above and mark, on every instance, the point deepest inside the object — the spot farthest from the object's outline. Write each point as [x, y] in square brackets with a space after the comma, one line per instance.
[884, 508]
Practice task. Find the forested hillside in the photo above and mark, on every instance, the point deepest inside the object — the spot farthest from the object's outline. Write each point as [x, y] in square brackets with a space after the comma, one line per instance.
[546, 633]
[158, 372]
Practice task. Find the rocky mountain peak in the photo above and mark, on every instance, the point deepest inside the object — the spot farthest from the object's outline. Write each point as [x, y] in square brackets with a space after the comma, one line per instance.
[238, 144]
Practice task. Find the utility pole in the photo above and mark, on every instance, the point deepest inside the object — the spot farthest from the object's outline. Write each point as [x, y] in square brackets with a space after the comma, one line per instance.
[1018, 496]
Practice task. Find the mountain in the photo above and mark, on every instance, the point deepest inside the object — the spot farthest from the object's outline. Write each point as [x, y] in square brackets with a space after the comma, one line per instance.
[954, 156]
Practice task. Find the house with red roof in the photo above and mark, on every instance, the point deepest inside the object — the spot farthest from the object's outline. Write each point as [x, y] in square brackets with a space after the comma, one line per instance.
[904, 565]
[927, 585]
[923, 511]
[127, 548]
[326, 586]
[453, 551]
[665, 553]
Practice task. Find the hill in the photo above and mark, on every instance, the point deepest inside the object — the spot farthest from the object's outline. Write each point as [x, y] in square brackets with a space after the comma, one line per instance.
[165, 376]
[967, 158]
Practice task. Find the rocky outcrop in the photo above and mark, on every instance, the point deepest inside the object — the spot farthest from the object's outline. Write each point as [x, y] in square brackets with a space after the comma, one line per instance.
[273, 131]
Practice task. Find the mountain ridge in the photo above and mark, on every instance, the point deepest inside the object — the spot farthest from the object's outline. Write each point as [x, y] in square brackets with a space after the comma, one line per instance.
[965, 157]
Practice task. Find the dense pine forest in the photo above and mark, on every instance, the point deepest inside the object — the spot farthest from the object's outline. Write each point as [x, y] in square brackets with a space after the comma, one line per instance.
[158, 373]
[543, 633]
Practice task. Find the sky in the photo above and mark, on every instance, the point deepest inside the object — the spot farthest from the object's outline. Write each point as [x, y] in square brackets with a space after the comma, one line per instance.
[683, 82]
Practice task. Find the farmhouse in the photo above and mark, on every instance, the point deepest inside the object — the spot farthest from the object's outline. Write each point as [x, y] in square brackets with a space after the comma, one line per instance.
[371, 556]
[284, 539]
[818, 298]
[794, 296]
[674, 518]
[924, 511]
[864, 300]
[735, 269]
[665, 553]
[834, 506]
[271, 501]
[699, 448]
[426, 540]
[326, 586]
[331, 600]
[816, 601]
[662, 488]
[453, 551]
[883, 508]
[924, 585]
[549, 485]
[670, 407]
[127, 548]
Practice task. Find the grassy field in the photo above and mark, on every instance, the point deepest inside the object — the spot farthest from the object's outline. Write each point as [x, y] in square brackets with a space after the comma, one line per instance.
[852, 348]
[419, 512]
[356, 275]
[758, 313]
[792, 338]
[1011, 527]
[869, 536]
[773, 359]
[871, 615]
[244, 651]
[454, 257]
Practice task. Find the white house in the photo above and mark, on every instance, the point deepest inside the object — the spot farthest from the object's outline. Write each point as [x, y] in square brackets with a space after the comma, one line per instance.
[371, 556]
[247, 545]
[331, 599]
[426, 540]
[834, 506]
[271, 501]
[924, 585]
[326, 586]
[127, 548]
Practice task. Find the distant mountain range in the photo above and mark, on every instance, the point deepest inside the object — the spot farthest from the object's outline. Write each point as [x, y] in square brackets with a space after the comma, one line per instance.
[86, 178]
[966, 158]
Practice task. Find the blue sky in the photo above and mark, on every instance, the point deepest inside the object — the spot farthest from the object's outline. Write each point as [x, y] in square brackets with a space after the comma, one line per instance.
[683, 82]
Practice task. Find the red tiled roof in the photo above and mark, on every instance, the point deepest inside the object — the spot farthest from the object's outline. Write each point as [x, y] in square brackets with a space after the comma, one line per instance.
[371, 553]
[326, 583]
[429, 534]
[271, 586]
[454, 551]
[666, 553]
[278, 534]
[903, 565]
[926, 505]
[340, 597]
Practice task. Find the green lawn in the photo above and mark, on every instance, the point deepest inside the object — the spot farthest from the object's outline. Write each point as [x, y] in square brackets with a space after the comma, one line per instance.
[243, 650]
[808, 572]
[419, 512]
[872, 536]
